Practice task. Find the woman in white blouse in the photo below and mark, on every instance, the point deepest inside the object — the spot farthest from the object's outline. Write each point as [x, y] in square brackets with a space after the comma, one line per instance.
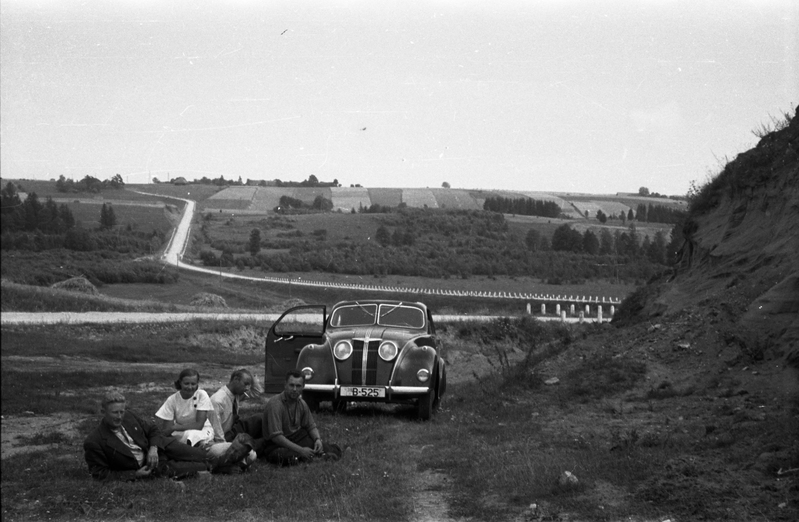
[186, 413]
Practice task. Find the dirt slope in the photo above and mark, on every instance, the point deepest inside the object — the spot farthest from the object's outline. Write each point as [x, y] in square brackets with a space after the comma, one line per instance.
[740, 262]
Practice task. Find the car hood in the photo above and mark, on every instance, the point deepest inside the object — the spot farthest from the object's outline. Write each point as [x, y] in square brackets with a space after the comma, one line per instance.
[400, 336]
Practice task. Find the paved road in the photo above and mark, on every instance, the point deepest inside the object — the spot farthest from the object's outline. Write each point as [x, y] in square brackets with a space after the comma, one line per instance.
[10, 318]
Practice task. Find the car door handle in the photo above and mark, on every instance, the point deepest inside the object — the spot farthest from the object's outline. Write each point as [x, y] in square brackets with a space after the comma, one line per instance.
[289, 338]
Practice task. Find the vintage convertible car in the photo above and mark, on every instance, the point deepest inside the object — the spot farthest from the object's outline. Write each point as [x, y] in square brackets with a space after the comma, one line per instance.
[366, 350]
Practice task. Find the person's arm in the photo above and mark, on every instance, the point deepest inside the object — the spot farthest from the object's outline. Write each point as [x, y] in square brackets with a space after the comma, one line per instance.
[100, 468]
[317, 441]
[165, 417]
[216, 423]
[154, 441]
[197, 424]
[283, 442]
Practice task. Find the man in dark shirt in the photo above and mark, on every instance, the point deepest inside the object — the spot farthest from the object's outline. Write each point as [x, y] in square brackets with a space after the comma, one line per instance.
[289, 427]
[126, 447]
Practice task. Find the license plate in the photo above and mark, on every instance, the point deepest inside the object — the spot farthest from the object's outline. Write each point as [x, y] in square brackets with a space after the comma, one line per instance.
[360, 391]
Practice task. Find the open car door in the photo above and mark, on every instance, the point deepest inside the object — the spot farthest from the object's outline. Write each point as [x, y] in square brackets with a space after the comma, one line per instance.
[296, 328]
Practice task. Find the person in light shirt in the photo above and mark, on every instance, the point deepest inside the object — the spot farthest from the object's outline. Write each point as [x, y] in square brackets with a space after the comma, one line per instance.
[226, 412]
[186, 414]
[227, 400]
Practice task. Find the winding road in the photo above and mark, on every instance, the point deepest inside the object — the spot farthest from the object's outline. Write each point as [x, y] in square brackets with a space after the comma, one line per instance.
[173, 255]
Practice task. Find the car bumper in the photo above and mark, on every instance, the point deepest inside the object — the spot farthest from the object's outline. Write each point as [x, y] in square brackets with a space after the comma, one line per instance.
[401, 391]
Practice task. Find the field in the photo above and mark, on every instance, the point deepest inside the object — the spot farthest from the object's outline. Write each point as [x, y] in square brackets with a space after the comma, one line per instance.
[643, 443]
[141, 217]
[447, 198]
[347, 199]
[385, 197]
[419, 198]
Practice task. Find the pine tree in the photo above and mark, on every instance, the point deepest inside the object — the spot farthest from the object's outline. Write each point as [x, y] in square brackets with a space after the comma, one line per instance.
[108, 218]
[255, 242]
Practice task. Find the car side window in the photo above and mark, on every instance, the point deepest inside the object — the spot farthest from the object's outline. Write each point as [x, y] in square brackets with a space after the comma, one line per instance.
[304, 321]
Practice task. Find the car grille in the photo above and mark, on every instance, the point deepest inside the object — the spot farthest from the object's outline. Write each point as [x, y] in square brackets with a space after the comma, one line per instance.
[364, 374]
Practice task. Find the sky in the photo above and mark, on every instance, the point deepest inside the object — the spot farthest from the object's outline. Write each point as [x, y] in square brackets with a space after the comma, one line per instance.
[554, 96]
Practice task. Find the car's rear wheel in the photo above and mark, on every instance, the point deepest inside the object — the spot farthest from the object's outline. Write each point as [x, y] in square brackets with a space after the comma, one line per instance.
[424, 410]
[441, 388]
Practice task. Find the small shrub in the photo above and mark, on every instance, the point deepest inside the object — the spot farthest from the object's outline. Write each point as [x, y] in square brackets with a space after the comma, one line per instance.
[601, 376]
[39, 439]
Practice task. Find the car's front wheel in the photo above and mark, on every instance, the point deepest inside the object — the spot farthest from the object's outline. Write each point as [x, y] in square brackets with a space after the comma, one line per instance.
[426, 404]
[312, 401]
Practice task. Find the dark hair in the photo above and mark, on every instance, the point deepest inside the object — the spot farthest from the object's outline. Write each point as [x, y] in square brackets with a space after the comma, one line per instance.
[295, 374]
[188, 372]
[239, 374]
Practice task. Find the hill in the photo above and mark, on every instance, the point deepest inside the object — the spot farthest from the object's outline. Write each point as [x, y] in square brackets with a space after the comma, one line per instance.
[739, 263]
[265, 199]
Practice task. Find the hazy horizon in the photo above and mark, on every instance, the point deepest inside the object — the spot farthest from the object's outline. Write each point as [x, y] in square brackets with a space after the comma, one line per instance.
[570, 96]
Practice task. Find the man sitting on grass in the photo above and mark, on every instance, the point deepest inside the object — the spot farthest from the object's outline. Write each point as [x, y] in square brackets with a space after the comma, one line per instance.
[226, 413]
[289, 427]
[126, 447]
[226, 402]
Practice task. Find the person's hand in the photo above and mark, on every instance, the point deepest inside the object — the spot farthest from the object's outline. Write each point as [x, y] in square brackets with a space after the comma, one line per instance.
[144, 472]
[318, 448]
[152, 457]
[306, 453]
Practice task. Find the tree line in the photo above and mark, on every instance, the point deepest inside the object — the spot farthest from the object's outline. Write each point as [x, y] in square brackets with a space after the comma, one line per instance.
[35, 226]
[88, 184]
[645, 214]
[522, 206]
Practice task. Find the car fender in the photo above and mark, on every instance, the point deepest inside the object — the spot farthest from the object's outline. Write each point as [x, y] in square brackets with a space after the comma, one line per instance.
[319, 357]
[410, 360]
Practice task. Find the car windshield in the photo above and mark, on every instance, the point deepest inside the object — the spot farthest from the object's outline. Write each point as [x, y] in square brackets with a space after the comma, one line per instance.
[354, 315]
[388, 315]
[399, 315]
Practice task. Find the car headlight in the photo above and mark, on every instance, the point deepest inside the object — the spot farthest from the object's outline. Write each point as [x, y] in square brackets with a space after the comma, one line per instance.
[387, 350]
[307, 372]
[423, 375]
[342, 350]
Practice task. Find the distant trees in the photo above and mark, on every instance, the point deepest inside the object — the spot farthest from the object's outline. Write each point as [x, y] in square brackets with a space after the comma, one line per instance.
[643, 191]
[445, 185]
[320, 204]
[255, 242]
[522, 206]
[590, 243]
[383, 236]
[567, 239]
[31, 215]
[108, 218]
[659, 214]
[533, 239]
[89, 184]
[451, 243]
